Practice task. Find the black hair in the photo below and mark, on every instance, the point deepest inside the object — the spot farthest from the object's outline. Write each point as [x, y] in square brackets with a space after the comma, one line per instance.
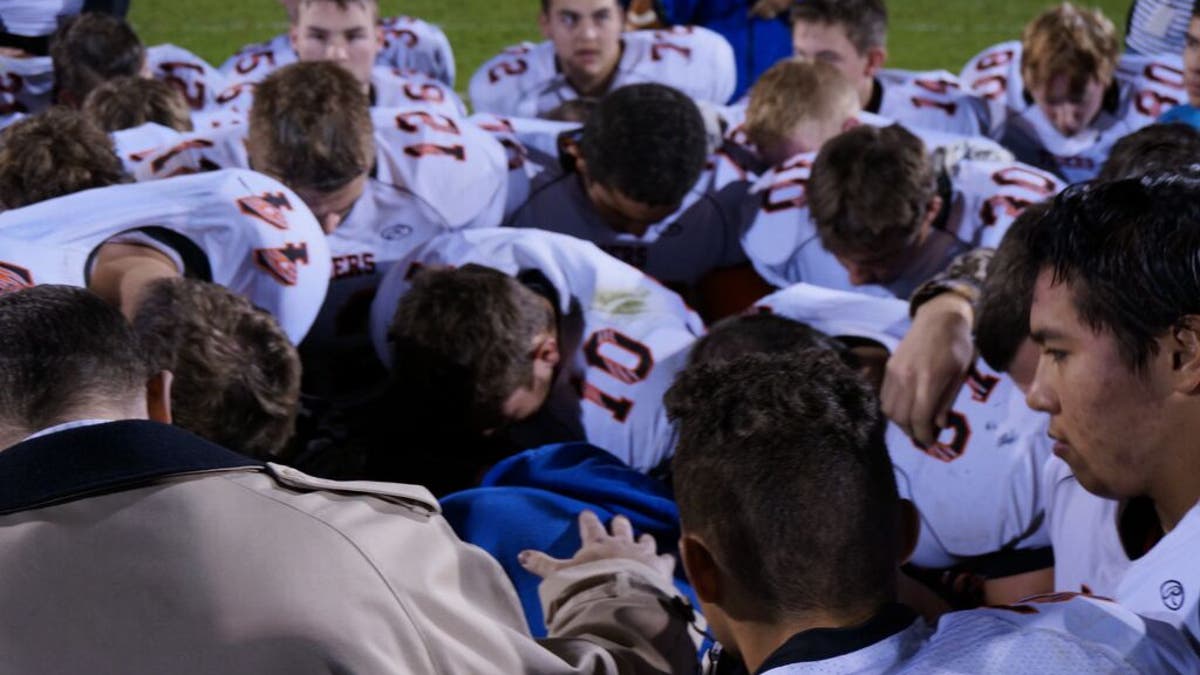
[1156, 148]
[647, 141]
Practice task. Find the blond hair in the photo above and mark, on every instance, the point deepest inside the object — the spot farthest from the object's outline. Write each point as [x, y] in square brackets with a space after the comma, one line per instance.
[793, 93]
[1067, 40]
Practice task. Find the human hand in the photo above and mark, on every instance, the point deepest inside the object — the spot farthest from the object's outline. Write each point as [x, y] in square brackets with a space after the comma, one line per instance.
[924, 375]
[598, 544]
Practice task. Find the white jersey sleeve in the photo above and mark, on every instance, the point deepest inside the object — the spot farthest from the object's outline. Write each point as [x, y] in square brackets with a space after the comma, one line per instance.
[254, 62]
[531, 146]
[198, 82]
[26, 85]
[25, 264]
[460, 170]
[514, 82]
[1053, 634]
[239, 229]
[415, 45]
[632, 339]
[931, 100]
[396, 88]
[978, 488]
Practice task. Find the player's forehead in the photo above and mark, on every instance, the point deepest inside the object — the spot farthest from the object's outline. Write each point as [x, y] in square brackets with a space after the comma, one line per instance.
[1052, 315]
[335, 15]
[821, 35]
[582, 7]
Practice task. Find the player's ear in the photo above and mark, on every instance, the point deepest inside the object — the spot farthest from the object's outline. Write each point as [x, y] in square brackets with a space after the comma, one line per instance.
[701, 568]
[294, 34]
[850, 123]
[158, 396]
[932, 209]
[909, 529]
[546, 352]
[1184, 344]
[876, 57]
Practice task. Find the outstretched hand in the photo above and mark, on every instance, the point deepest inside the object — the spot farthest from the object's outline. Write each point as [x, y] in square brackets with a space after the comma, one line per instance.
[598, 544]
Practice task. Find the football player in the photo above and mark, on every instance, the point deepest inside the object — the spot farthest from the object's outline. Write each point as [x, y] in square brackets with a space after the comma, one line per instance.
[127, 102]
[346, 32]
[852, 35]
[405, 43]
[633, 184]
[797, 439]
[54, 153]
[977, 487]
[874, 210]
[382, 183]
[1060, 98]
[235, 228]
[1114, 371]
[586, 56]
[532, 322]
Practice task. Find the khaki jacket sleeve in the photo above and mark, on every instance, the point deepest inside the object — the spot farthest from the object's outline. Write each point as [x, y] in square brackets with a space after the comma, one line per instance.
[619, 616]
[965, 276]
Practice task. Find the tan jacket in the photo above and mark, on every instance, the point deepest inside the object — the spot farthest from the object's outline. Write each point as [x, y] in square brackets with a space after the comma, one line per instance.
[133, 547]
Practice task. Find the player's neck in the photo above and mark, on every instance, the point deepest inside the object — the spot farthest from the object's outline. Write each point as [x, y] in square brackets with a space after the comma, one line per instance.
[757, 641]
[1178, 491]
[596, 87]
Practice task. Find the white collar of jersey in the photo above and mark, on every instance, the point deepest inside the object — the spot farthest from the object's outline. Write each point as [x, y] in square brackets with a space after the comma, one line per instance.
[821, 644]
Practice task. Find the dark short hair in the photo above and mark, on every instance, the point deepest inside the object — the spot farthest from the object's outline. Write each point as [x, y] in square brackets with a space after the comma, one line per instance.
[782, 468]
[621, 4]
[310, 126]
[758, 334]
[90, 48]
[1128, 251]
[237, 377]
[865, 21]
[1002, 314]
[1156, 148]
[461, 342]
[870, 188]
[647, 141]
[62, 348]
[56, 152]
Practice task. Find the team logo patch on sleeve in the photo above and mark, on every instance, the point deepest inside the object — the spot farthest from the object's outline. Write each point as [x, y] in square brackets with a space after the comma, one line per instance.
[267, 207]
[14, 278]
[283, 263]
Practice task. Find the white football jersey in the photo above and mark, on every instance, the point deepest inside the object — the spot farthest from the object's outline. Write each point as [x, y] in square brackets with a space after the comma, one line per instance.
[410, 44]
[700, 236]
[983, 198]
[978, 489]
[1053, 634]
[451, 164]
[1144, 88]
[1163, 583]
[239, 229]
[25, 264]
[36, 17]
[525, 81]
[532, 147]
[390, 88]
[624, 336]
[26, 86]
[928, 100]
[200, 83]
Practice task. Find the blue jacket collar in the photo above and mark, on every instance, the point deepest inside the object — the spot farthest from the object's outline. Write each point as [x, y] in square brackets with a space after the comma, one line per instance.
[112, 457]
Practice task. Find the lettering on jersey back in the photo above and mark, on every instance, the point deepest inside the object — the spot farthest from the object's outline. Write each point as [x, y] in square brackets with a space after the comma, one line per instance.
[14, 278]
[268, 207]
[159, 163]
[250, 62]
[956, 446]
[283, 264]
[353, 265]
[981, 385]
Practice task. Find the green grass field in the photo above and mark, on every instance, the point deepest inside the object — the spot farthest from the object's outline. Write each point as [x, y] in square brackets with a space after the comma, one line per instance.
[924, 33]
